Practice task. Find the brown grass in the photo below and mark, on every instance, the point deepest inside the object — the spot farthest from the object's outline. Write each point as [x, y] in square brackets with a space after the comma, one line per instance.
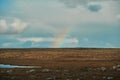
[77, 61]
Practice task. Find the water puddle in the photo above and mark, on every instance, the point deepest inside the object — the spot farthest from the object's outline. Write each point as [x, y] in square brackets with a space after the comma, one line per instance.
[14, 66]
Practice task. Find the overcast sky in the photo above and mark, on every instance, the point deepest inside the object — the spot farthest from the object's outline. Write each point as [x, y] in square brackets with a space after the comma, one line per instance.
[59, 23]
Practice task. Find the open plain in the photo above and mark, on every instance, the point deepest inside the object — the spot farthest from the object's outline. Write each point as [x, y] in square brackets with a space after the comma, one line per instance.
[61, 64]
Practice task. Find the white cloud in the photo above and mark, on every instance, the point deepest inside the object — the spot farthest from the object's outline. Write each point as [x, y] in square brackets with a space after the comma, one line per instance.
[3, 26]
[12, 26]
[71, 40]
[42, 39]
[18, 26]
[36, 39]
[41, 14]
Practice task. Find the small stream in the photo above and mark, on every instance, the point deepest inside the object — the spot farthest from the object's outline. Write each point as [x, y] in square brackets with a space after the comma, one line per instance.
[14, 66]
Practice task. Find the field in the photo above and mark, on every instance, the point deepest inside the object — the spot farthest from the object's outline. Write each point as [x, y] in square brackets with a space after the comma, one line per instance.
[61, 64]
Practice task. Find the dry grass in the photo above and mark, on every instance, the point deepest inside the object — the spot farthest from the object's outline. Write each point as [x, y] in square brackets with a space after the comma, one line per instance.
[62, 64]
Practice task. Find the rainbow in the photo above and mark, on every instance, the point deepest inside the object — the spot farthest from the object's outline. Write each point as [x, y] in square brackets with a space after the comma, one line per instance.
[60, 38]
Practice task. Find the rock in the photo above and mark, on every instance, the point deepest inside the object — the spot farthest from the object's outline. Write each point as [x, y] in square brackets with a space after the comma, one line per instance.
[66, 70]
[9, 71]
[77, 79]
[110, 78]
[32, 70]
[114, 67]
[104, 77]
[12, 78]
[103, 68]
[45, 70]
[57, 71]
[118, 66]
[49, 78]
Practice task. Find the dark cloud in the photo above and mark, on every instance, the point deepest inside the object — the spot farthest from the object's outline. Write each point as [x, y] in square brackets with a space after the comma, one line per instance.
[73, 3]
[95, 7]
[85, 3]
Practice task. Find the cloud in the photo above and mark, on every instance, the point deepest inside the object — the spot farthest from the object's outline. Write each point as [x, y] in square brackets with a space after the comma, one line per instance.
[18, 26]
[47, 20]
[88, 4]
[3, 26]
[48, 39]
[37, 41]
[71, 40]
[94, 7]
[118, 17]
[53, 17]
[12, 26]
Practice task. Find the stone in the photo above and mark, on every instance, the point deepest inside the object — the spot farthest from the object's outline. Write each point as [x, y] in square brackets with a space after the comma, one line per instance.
[110, 78]
[103, 68]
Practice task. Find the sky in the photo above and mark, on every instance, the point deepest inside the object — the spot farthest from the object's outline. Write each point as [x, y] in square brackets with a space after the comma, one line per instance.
[59, 23]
